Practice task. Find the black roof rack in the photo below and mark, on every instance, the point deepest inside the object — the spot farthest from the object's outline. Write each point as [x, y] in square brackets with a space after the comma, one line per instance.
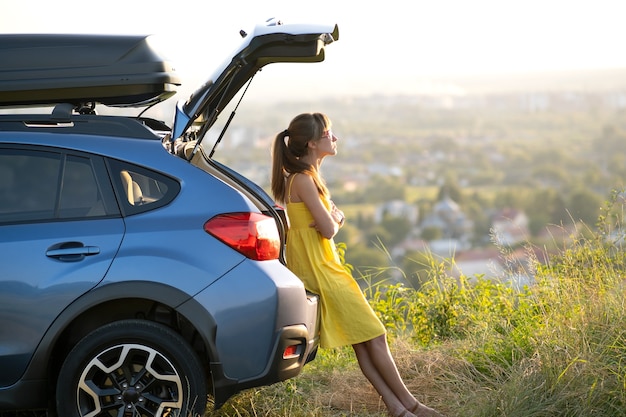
[63, 119]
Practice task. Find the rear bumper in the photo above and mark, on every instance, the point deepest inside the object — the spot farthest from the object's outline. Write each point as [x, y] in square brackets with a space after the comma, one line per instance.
[279, 369]
[313, 326]
[265, 327]
[300, 342]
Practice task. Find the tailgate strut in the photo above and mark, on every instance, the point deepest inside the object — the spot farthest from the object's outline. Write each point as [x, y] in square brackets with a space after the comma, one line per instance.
[230, 118]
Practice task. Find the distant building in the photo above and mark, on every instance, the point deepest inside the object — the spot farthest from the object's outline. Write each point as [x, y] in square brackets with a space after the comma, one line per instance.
[510, 226]
[486, 262]
[456, 228]
[450, 219]
[491, 264]
[397, 209]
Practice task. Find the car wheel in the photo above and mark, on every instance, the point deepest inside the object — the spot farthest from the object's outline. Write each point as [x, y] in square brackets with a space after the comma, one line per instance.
[131, 368]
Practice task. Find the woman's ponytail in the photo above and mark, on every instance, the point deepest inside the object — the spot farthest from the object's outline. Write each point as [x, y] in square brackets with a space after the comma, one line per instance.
[279, 149]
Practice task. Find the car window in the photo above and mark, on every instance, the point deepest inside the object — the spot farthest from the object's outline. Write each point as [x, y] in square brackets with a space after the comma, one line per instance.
[47, 185]
[140, 189]
[80, 196]
[28, 184]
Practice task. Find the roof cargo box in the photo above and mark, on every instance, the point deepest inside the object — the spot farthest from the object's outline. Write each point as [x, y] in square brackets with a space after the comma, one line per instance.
[108, 69]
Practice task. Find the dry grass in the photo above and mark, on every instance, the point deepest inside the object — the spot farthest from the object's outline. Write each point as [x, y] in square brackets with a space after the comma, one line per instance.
[334, 386]
[344, 390]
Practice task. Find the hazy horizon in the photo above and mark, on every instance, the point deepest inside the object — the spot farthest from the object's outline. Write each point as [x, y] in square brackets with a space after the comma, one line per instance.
[409, 47]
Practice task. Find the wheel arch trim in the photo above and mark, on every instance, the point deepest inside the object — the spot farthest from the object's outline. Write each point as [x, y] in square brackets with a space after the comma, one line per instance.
[157, 293]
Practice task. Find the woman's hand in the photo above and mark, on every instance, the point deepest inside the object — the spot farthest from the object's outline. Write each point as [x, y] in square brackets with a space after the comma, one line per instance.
[337, 214]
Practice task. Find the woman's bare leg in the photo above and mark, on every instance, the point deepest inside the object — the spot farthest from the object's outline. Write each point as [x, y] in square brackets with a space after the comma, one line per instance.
[369, 369]
[380, 369]
[376, 355]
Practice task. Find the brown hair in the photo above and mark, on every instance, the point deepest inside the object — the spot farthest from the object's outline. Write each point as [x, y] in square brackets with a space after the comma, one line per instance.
[290, 146]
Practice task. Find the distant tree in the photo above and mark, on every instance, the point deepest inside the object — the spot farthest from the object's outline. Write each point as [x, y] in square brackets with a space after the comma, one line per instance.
[511, 197]
[537, 224]
[476, 208]
[551, 174]
[442, 144]
[450, 189]
[383, 188]
[431, 233]
[362, 257]
[552, 155]
[397, 228]
[547, 205]
[584, 205]
[363, 222]
[616, 167]
[424, 207]
[558, 209]
[416, 266]
[611, 140]
[488, 176]
[377, 236]
[349, 234]
[593, 175]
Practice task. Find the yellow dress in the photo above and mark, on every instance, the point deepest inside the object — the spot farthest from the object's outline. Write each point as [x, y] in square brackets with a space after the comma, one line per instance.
[346, 316]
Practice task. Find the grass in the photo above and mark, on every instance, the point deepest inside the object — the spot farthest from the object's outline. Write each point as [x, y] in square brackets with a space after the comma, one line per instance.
[477, 347]
[333, 385]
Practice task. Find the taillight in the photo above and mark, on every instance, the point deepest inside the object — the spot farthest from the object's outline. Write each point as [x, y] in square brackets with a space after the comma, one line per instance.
[291, 352]
[252, 234]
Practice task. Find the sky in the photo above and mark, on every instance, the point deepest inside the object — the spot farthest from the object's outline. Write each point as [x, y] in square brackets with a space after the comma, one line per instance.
[389, 46]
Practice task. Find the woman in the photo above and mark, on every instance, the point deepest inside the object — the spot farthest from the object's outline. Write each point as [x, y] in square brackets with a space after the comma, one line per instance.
[346, 316]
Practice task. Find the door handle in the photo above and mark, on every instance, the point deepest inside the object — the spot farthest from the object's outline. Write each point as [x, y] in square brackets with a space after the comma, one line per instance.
[73, 253]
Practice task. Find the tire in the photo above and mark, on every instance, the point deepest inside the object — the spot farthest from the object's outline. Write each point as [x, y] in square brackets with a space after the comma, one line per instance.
[131, 368]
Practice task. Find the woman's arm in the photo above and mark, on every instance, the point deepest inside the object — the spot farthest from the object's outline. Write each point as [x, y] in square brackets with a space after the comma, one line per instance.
[304, 189]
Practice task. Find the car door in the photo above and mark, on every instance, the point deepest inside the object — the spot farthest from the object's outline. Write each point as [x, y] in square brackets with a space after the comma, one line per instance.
[60, 228]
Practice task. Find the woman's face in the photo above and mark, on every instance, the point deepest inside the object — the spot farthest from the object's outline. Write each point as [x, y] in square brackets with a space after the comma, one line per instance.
[327, 145]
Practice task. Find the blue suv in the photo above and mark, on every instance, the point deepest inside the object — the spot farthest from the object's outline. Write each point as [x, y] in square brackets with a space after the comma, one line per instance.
[138, 275]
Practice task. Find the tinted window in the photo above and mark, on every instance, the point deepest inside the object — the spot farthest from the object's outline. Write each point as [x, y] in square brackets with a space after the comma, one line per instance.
[28, 184]
[140, 189]
[47, 185]
[80, 196]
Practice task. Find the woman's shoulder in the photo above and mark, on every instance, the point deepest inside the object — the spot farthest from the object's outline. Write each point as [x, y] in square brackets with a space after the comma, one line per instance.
[301, 179]
[300, 184]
